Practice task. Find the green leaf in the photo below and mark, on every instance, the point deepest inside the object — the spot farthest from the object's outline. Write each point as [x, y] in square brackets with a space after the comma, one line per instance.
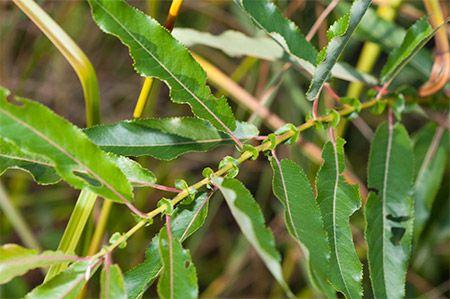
[66, 284]
[157, 54]
[389, 210]
[431, 150]
[178, 278]
[35, 128]
[236, 44]
[303, 218]
[43, 169]
[165, 138]
[352, 102]
[416, 37]
[388, 36]
[268, 17]
[250, 219]
[11, 156]
[111, 283]
[339, 34]
[185, 219]
[338, 201]
[16, 260]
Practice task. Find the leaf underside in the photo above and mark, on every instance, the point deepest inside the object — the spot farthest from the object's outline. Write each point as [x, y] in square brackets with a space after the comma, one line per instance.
[112, 285]
[250, 219]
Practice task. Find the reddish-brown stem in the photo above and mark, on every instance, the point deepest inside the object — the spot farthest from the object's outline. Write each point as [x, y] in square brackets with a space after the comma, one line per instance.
[314, 111]
[332, 92]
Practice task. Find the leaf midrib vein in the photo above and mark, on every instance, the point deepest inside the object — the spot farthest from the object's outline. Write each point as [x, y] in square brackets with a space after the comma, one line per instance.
[166, 69]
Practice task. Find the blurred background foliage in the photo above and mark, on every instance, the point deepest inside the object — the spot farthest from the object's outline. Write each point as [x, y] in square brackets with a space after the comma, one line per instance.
[227, 267]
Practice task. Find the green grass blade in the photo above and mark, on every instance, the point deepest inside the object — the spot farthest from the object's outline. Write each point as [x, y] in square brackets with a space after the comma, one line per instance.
[71, 52]
[75, 226]
[338, 201]
[389, 210]
[157, 54]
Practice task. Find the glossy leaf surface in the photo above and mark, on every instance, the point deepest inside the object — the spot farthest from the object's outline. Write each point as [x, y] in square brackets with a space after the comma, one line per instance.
[66, 284]
[431, 151]
[35, 128]
[16, 260]
[338, 36]
[157, 54]
[416, 37]
[165, 138]
[338, 201]
[303, 218]
[112, 285]
[250, 219]
[178, 278]
[389, 210]
[185, 219]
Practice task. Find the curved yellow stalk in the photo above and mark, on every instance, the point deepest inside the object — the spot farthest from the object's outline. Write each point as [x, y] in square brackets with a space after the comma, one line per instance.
[71, 52]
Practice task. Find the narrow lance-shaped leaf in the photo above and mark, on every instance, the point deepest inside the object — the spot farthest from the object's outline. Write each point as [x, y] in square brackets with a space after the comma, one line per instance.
[431, 151]
[178, 278]
[157, 54]
[250, 219]
[303, 218]
[44, 172]
[185, 219]
[35, 128]
[67, 284]
[165, 138]
[389, 210]
[16, 260]
[40, 168]
[388, 36]
[416, 37]
[236, 44]
[111, 283]
[338, 36]
[338, 201]
[269, 18]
